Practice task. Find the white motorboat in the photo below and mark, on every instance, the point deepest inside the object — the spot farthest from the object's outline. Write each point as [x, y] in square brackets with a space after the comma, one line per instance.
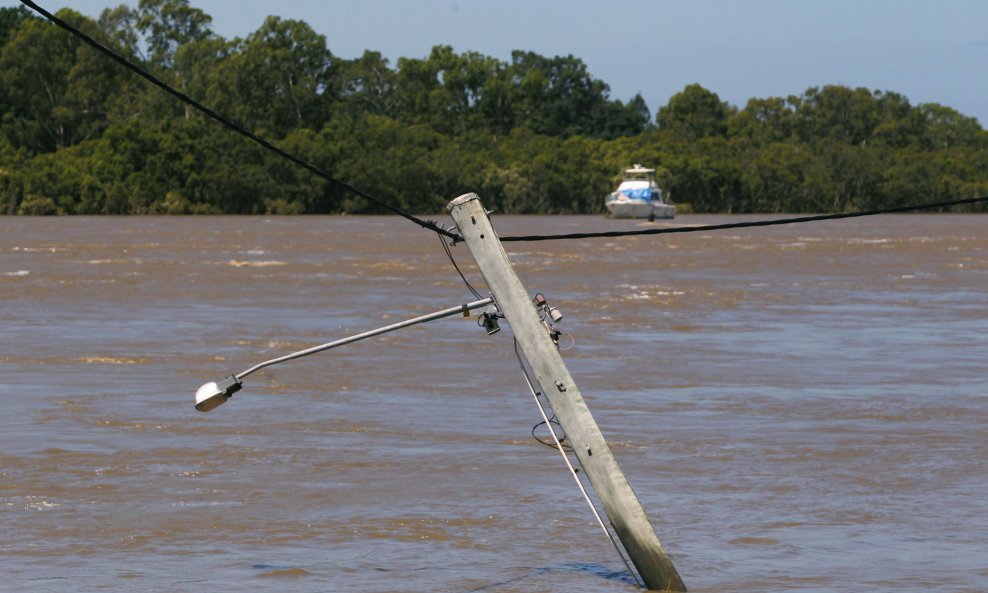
[638, 196]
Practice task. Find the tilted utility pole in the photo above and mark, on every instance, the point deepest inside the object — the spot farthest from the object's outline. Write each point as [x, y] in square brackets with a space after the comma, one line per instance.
[620, 503]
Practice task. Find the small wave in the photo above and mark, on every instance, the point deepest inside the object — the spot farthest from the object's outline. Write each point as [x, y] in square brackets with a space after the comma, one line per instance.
[858, 241]
[754, 541]
[18, 273]
[277, 345]
[33, 503]
[205, 503]
[115, 261]
[390, 266]
[278, 571]
[111, 360]
[37, 249]
[645, 292]
[254, 264]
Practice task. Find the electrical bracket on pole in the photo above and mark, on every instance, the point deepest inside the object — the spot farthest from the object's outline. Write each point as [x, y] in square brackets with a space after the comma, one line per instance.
[620, 502]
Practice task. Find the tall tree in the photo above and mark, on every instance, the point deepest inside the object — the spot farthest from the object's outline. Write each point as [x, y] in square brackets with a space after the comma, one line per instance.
[944, 127]
[54, 90]
[763, 121]
[10, 20]
[694, 113]
[279, 78]
[838, 113]
[169, 24]
[558, 96]
[365, 85]
[118, 26]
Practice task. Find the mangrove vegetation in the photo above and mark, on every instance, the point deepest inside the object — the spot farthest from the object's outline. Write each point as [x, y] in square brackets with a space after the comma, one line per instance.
[79, 134]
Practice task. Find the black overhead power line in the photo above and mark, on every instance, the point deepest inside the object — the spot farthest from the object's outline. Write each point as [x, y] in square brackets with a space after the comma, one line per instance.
[755, 223]
[230, 124]
[431, 225]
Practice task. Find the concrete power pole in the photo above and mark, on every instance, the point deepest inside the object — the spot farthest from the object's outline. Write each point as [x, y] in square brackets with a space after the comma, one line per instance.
[620, 503]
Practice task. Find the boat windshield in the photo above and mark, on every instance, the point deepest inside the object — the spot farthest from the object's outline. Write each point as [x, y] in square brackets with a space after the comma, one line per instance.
[636, 189]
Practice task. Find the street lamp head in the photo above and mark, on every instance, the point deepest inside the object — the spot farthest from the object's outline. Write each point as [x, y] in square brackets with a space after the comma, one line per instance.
[212, 395]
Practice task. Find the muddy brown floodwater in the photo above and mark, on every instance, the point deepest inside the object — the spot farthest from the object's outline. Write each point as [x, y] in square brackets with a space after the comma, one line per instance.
[799, 408]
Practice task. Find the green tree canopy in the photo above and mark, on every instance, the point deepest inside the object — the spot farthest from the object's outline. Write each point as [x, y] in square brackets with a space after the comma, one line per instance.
[169, 24]
[534, 133]
[694, 113]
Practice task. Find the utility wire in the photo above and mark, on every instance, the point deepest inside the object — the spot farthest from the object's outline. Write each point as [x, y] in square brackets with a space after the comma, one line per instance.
[230, 124]
[449, 254]
[738, 225]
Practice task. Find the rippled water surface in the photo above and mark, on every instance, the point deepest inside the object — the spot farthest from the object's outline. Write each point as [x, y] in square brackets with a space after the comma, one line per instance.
[798, 408]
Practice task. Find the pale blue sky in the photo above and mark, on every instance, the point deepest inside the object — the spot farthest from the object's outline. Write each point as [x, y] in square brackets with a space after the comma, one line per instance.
[930, 51]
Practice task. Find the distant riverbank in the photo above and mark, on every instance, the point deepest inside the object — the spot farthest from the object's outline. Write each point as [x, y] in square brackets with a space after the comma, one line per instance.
[533, 135]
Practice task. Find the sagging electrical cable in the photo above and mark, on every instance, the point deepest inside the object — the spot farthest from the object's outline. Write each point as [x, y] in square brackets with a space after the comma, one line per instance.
[754, 223]
[427, 224]
[449, 254]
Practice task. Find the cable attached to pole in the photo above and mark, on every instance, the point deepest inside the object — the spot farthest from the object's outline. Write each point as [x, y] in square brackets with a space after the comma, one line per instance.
[449, 254]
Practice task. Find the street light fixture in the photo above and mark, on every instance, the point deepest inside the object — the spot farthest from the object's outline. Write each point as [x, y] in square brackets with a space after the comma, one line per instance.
[212, 394]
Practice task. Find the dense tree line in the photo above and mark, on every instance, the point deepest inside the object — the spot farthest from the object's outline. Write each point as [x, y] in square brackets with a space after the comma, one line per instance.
[79, 134]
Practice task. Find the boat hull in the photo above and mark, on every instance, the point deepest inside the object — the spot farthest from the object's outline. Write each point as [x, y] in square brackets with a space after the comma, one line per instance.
[639, 209]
